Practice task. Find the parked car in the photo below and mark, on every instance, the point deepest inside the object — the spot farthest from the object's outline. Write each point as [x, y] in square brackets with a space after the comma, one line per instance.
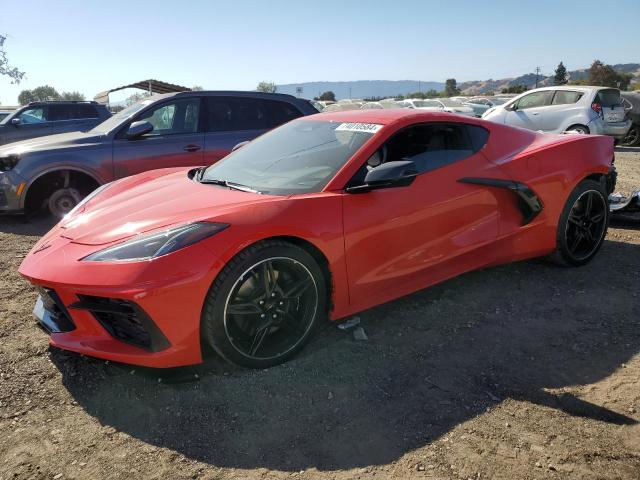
[382, 104]
[579, 109]
[490, 101]
[420, 104]
[481, 104]
[327, 215]
[632, 105]
[170, 130]
[478, 108]
[46, 118]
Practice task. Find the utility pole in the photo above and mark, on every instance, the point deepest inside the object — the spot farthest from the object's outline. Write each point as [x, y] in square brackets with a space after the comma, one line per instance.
[537, 75]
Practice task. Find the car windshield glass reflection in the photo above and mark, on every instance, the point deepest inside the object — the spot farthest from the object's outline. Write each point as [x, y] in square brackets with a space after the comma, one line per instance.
[120, 117]
[299, 157]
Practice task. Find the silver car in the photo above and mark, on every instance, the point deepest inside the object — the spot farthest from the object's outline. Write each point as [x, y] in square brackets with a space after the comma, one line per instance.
[579, 109]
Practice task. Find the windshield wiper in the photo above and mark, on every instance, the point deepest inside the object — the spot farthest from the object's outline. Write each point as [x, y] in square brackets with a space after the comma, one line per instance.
[232, 185]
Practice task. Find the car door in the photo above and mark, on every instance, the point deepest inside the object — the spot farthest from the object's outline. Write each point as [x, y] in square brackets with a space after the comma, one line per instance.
[528, 111]
[175, 141]
[401, 239]
[233, 120]
[33, 122]
[562, 106]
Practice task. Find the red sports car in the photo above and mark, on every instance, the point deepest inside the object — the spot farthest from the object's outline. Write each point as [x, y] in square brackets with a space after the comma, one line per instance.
[325, 216]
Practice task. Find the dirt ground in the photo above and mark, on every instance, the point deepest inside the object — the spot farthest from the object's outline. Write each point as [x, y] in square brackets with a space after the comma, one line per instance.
[525, 371]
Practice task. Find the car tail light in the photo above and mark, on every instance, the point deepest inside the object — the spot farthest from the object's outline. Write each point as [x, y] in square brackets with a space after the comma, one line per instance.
[596, 107]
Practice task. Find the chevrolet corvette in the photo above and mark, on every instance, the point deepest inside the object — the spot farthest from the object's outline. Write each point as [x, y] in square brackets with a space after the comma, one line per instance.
[323, 217]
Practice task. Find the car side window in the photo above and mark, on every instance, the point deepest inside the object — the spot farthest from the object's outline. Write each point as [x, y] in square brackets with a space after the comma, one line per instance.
[535, 99]
[429, 146]
[34, 115]
[280, 112]
[564, 97]
[71, 112]
[227, 114]
[173, 118]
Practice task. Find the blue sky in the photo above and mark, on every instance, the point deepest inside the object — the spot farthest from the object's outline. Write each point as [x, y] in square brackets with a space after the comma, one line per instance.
[91, 46]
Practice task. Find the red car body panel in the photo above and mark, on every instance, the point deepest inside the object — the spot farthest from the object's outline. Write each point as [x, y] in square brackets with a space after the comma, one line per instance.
[378, 246]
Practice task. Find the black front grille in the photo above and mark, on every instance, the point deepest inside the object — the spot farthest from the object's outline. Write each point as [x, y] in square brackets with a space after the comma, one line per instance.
[125, 321]
[57, 318]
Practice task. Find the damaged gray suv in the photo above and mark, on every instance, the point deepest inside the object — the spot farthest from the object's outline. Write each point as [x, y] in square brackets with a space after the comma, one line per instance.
[171, 130]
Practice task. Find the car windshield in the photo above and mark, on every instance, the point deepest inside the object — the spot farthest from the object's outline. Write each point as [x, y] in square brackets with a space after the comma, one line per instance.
[120, 117]
[425, 103]
[299, 157]
[4, 116]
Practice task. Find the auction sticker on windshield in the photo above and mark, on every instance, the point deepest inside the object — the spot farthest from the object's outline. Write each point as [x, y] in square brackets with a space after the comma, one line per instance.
[359, 127]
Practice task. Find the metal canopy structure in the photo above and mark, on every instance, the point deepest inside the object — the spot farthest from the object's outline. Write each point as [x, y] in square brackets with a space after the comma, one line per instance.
[151, 86]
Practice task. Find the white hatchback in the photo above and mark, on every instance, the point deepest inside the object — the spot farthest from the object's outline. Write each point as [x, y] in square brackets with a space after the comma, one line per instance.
[579, 109]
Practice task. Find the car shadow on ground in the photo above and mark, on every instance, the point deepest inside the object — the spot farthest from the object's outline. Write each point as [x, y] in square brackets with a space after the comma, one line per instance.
[627, 149]
[34, 225]
[433, 360]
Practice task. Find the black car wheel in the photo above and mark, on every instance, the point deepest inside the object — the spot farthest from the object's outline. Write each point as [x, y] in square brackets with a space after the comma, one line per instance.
[583, 225]
[63, 200]
[264, 305]
[632, 138]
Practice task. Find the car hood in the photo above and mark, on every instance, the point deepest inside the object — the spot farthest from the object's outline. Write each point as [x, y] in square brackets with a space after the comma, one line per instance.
[152, 200]
[51, 142]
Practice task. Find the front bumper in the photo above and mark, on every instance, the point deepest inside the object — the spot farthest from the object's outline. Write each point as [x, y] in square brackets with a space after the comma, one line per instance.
[164, 297]
[12, 190]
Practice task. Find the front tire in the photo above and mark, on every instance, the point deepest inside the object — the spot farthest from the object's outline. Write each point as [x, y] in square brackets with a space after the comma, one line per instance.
[265, 305]
[583, 225]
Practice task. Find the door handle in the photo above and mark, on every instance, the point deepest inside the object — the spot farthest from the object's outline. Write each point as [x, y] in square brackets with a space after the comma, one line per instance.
[191, 147]
[535, 113]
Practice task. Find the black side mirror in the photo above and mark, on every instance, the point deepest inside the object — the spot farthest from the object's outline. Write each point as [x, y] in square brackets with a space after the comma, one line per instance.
[511, 108]
[137, 129]
[15, 121]
[387, 175]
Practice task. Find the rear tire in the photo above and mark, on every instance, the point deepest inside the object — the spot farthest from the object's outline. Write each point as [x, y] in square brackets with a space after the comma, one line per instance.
[265, 305]
[581, 129]
[632, 138]
[582, 226]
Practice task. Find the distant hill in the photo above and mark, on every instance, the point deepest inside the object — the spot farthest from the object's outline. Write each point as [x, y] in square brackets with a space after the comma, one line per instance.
[391, 88]
[483, 86]
[361, 88]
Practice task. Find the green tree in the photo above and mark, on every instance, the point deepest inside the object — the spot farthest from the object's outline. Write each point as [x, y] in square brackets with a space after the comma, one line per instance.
[267, 87]
[328, 96]
[38, 94]
[515, 89]
[560, 77]
[5, 70]
[72, 96]
[605, 76]
[451, 87]
[196, 88]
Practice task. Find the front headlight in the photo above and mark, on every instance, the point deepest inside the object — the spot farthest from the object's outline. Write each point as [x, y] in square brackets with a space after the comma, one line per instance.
[147, 247]
[8, 162]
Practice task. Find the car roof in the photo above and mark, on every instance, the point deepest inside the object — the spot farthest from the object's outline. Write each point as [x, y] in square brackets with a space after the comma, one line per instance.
[585, 88]
[233, 93]
[381, 117]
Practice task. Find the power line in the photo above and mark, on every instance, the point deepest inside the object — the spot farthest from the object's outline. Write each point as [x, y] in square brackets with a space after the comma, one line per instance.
[537, 75]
